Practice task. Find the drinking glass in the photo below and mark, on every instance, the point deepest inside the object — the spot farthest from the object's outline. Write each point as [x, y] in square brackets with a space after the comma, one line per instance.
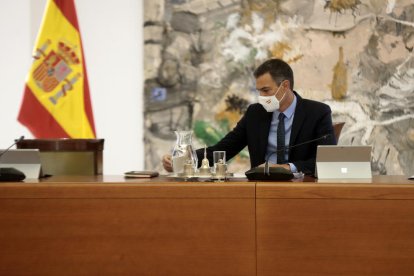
[219, 157]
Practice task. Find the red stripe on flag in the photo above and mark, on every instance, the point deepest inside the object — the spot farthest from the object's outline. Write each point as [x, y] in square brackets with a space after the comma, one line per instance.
[87, 98]
[37, 119]
[67, 7]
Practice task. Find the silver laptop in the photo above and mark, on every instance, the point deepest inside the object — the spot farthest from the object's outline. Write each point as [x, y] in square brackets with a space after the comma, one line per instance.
[343, 162]
[25, 160]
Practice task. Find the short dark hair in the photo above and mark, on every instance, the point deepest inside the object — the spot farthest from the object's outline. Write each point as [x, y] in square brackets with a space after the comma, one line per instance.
[278, 69]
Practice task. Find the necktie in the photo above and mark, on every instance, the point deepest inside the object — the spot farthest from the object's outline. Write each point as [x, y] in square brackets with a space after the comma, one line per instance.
[281, 139]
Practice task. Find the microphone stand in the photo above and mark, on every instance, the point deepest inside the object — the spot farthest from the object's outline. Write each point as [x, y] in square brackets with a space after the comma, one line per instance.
[15, 142]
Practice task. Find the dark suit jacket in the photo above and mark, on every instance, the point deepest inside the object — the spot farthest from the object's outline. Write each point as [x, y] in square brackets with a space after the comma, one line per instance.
[312, 120]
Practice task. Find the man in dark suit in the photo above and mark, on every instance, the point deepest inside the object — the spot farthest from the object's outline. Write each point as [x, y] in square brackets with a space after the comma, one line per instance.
[280, 120]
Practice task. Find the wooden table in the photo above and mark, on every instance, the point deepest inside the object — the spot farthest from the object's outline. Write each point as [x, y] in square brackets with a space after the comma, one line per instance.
[108, 225]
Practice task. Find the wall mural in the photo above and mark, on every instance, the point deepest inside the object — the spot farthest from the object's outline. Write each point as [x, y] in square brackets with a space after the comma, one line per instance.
[354, 55]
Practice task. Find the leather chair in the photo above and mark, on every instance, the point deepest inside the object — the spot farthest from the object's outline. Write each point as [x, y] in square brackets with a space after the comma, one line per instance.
[338, 129]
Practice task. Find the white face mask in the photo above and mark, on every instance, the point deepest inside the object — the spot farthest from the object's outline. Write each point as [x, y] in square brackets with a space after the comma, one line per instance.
[271, 103]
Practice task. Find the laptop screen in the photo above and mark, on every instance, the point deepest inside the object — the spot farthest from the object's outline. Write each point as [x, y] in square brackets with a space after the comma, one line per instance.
[343, 162]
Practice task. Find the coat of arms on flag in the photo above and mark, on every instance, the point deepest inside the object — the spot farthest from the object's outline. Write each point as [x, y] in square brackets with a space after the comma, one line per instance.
[55, 70]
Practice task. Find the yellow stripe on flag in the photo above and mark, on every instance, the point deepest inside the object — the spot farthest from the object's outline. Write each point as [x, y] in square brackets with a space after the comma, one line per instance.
[56, 76]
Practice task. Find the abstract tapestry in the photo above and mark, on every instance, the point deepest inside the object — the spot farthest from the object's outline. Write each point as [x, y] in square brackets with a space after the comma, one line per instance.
[354, 55]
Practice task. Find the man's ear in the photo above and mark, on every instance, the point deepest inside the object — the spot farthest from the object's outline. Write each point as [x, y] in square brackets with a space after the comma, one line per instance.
[286, 84]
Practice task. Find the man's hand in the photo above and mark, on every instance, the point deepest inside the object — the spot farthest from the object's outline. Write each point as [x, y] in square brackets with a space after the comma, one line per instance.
[167, 162]
[285, 166]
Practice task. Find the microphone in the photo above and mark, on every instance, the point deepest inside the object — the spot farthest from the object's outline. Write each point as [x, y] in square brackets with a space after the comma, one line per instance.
[11, 174]
[352, 140]
[383, 169]
[277, 173]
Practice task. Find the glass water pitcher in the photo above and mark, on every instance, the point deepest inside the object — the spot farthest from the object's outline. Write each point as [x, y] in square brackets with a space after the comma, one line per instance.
[183, 152]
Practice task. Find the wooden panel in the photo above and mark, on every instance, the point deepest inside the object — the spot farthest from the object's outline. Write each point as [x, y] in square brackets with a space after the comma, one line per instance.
[62, 144]
[381, 187]
[335, 237]
[96, 236]
[119, 187]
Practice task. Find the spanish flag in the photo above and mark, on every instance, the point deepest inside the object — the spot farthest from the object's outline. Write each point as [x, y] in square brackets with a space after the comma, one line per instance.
[56, 101]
